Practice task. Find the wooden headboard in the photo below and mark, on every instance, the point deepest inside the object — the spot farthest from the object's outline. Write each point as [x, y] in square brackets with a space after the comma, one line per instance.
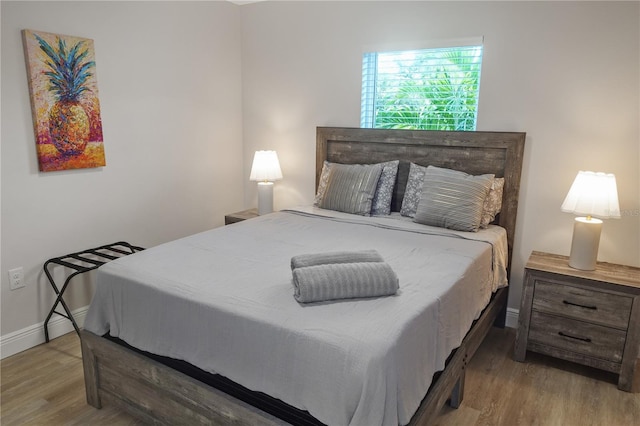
[500, 153]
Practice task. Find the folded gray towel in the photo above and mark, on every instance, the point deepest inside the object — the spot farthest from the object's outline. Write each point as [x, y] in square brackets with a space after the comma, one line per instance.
[343, 281]
[304, 260]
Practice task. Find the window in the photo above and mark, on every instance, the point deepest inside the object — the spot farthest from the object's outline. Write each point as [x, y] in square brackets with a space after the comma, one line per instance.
[429, 89]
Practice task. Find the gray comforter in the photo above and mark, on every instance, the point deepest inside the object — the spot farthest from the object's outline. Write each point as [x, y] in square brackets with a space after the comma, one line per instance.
[223, 301]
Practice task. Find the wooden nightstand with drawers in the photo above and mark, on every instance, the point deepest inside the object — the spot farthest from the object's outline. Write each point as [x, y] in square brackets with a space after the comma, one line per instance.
[240, 216]
[588, 317]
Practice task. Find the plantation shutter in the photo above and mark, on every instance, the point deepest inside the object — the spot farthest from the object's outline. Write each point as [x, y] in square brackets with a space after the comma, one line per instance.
[433, 89]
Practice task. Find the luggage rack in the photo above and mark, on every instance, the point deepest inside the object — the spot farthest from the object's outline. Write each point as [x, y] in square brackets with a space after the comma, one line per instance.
[81, 262]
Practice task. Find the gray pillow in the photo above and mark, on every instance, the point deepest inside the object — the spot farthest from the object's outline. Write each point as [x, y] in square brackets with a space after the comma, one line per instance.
[351, 187]
[381, 204]
[452, 199]
[413, 190]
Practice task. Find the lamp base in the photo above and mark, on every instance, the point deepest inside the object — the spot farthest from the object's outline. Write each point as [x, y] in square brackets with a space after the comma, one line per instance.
[584, 245]
[265, 197]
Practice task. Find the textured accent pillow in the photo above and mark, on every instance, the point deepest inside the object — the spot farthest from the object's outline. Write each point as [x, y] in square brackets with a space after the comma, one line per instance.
[351, 187]
[493, 203]
[413, 190]
[381, 204]
[322, 185]
[452, 199]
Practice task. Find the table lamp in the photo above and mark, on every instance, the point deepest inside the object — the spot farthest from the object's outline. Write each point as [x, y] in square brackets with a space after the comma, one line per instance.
[265, 170]
[592, 194]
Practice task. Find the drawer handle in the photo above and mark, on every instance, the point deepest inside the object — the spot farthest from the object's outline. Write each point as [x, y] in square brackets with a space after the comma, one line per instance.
[566, 302]
[584, 339]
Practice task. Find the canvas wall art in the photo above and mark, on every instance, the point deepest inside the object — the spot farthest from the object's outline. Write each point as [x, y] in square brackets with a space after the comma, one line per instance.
[64, 101]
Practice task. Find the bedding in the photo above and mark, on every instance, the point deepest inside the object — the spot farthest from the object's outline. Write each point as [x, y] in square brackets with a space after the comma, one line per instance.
[351, 188]
[381, 203]
[227, 307]
[413, 190]
[338, 281]
[313, 259]
[493, 202]
[452, 199]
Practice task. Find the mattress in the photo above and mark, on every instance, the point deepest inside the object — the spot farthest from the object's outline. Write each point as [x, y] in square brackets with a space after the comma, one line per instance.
[222, 300]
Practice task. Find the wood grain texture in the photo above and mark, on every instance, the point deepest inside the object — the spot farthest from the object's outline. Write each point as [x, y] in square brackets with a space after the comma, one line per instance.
[159, 394]
[43, 386]
[499, 153]
[240, 216]
[472, 152]
[596, 307]
[588, 317]
[607, 273]
[524, 317]
[156, 393]
[90, 374]
[452, 378]
[581, 337]
[631, 349]
[569, 355]
[543, 391]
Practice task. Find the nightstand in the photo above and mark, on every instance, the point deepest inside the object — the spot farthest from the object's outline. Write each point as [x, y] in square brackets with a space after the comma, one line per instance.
[240, 216]
[588, 317]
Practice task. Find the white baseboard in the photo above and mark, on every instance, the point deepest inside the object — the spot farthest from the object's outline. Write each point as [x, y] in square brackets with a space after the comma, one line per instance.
[21, 340]
[512, 317]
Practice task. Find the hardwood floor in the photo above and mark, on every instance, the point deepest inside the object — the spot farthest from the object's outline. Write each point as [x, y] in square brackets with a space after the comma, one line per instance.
[540, 391]
[44, 386]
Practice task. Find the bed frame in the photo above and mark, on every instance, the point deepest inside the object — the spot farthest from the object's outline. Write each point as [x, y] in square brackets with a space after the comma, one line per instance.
[159, 394]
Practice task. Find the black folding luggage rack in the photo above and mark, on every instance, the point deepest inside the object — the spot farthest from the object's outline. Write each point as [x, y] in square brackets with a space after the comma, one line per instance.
[88, 261]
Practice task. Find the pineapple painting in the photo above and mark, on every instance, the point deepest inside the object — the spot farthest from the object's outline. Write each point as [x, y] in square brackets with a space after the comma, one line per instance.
[64, 99]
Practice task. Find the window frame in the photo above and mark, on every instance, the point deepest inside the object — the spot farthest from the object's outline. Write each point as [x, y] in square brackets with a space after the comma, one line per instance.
[370, 82]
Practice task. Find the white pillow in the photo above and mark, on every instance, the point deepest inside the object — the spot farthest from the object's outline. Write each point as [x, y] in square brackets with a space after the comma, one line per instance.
[493, 202]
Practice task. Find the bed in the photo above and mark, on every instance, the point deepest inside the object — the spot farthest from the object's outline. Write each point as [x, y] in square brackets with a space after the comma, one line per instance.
[157, 328]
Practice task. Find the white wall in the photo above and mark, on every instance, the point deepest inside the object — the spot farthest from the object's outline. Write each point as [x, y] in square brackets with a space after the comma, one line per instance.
[565, 73]
[189, 90]
[170, 90]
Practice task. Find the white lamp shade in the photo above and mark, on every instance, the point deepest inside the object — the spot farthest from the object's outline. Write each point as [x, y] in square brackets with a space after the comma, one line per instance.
[266, 167]
[593, 194]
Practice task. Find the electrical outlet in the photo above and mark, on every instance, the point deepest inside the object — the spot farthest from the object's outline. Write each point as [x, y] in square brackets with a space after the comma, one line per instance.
[16, 278]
